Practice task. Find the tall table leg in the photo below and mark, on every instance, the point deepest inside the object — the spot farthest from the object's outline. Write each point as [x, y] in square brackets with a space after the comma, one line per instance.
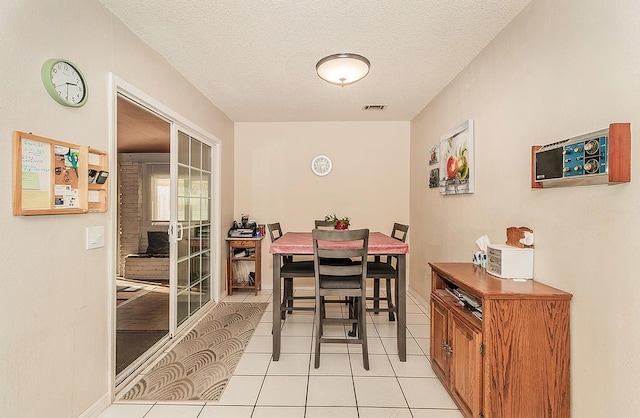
[276, 307]
[401, 305]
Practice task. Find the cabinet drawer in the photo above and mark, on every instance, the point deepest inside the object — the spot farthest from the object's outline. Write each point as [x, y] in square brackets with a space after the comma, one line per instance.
[243, 244]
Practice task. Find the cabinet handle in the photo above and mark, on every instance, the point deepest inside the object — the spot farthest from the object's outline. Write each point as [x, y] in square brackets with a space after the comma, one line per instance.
[447, 349]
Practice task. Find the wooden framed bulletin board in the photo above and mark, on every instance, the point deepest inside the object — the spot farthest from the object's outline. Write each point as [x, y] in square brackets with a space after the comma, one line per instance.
[49, 176]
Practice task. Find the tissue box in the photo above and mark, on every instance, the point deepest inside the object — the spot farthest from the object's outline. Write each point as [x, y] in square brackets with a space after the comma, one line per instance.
[510, 262]
[480, 259]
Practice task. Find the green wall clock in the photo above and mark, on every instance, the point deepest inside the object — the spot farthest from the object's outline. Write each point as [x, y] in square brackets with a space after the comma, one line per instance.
[64, 82]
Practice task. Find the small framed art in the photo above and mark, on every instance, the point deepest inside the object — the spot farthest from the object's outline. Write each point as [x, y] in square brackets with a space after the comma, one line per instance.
[456, 160]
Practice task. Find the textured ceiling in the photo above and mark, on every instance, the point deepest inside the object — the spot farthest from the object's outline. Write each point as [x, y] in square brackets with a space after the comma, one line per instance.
[255, 60]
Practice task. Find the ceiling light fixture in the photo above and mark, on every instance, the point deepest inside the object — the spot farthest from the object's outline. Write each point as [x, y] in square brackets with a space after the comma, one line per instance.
[343, 69]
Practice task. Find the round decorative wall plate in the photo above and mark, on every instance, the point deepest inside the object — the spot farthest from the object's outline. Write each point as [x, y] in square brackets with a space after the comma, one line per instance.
[321, 165]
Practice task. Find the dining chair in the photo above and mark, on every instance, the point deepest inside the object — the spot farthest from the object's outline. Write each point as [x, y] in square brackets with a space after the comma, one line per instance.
[322, 224]
[329, 226]
[382, 267]
[342, 280]
[289, 270]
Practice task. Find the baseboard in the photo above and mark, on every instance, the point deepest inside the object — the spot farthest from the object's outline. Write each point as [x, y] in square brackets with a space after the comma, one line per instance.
[98, 407]
[423, 302]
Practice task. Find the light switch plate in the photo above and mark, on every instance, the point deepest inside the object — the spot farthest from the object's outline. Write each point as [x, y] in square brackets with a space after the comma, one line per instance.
[95, 237]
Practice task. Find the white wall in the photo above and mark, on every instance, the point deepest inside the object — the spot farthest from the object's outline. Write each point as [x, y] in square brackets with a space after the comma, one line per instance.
[54, 294]
[369, 182]
[561, 69]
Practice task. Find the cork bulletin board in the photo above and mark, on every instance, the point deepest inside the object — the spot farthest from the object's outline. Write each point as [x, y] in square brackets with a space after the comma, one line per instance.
[49, 176]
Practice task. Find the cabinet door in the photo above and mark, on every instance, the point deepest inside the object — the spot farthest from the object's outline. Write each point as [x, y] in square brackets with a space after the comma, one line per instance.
[439, 342]
[466, 366]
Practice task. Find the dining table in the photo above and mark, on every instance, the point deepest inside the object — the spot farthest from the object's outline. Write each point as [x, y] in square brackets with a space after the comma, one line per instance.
[301, 243]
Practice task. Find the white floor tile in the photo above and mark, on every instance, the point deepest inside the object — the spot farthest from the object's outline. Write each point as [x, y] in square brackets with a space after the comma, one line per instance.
[334, 348]
[387, 330]
[384, 413]
[264, 328]
[435, 413]
[331, 391]
[241, 390]
[374, 345]
[415, 366]
[172, 411]
[224, 411]
[283, 391]
[417, 319]
[294, 345]
[331, 365]
[379, 392]
[391, 346]
[278, 412]
[293, 329]
[333, 412]
[418, 331]
[290, 364]
[300, 317]
[425, 392]
[413, 308]
[424, 344]
[125, 411]
[379, 365]
[260, 344]
[253, 364]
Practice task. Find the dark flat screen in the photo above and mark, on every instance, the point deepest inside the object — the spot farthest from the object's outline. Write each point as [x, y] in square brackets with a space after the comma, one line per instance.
[549, 164]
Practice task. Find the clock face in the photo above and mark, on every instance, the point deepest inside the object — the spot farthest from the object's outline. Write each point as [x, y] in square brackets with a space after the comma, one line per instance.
[321, 165]
[64, 82]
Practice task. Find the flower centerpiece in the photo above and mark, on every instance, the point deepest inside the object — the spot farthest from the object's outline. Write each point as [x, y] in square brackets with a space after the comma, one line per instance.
[338, 223]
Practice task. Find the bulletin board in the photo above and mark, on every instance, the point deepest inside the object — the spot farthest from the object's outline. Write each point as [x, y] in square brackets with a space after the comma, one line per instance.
[49, 176]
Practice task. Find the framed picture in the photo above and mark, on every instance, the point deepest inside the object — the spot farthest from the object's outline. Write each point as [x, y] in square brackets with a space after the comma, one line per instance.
[433, 155]
[456, 160]
[434, 178]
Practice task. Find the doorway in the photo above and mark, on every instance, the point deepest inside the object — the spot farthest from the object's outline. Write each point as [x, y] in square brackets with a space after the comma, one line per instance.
[177, 166]
[143, 215]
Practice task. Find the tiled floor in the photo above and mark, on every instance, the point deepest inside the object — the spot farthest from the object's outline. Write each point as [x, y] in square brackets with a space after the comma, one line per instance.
[340, 388]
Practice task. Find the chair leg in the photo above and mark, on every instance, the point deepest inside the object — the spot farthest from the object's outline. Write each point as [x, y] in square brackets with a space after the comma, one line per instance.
[376, 296]
[390, 303]
[353, 313]
[318, 325]
[289, 294]
[362, 323]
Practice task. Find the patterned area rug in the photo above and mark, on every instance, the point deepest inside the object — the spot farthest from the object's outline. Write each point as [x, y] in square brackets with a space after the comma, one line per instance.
[200, 365]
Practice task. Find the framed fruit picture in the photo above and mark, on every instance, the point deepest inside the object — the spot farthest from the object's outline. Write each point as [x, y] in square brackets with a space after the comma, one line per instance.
[456, 160]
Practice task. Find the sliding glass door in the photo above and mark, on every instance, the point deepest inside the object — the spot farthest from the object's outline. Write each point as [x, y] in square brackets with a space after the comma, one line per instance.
[191, 224]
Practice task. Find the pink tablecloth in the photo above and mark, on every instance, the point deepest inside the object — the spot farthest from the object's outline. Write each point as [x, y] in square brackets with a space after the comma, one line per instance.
[302, 243]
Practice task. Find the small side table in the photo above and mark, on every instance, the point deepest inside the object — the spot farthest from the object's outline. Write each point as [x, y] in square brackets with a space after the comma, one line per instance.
[245, 243]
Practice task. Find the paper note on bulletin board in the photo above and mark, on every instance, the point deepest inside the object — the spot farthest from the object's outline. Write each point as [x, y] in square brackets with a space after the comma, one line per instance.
[50, 176]
[66, 180]
[36, 174]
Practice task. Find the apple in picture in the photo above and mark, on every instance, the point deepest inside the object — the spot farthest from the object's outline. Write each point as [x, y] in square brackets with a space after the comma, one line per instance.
[452, 167]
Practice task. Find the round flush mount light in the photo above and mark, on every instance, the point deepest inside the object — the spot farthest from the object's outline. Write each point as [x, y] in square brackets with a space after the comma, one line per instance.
[343, 69]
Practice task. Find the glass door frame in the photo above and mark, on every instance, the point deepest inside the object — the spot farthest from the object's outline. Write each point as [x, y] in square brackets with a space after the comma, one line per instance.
[119, 86]
[177, 228]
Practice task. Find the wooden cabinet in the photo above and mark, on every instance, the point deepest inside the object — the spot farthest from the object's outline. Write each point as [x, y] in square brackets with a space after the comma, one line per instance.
[514, 361]
[244, 250]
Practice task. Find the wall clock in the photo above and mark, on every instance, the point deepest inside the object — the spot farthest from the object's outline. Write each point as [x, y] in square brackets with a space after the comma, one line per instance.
[64, 82]
[321, 165]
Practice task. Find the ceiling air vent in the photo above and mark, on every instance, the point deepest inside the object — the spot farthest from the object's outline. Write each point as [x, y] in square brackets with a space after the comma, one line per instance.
[374, 107]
